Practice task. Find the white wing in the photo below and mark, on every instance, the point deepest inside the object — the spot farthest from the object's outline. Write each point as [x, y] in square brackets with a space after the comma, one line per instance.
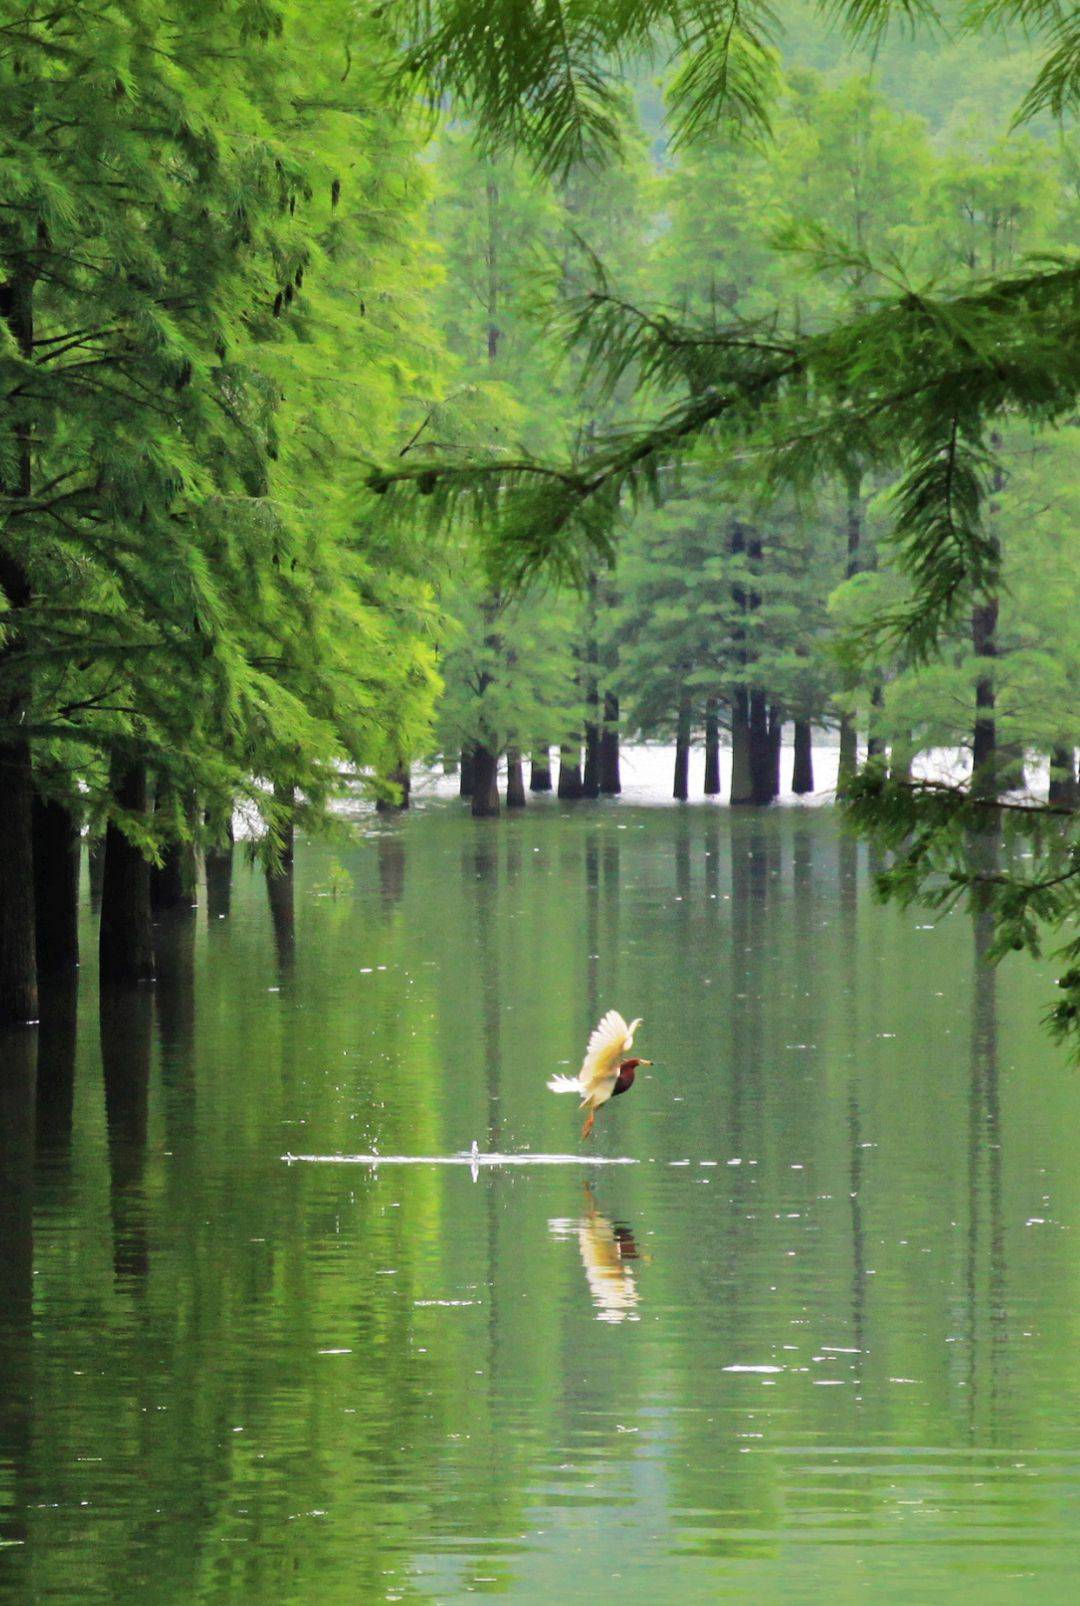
[608, 1046]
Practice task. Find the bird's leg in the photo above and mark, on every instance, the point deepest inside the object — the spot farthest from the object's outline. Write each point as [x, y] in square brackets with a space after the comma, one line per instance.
[589, 1119]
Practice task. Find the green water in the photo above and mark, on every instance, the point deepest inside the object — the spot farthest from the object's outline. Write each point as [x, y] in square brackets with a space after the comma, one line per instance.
[229, 1378]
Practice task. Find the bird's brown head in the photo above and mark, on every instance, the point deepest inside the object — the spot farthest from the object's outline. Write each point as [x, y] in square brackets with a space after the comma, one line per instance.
[625, 1078]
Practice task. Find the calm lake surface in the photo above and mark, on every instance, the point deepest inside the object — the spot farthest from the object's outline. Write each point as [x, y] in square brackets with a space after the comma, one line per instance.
[818, 1344]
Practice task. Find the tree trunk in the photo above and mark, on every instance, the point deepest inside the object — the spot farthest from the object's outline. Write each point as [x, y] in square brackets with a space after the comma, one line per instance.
[984, 776]
[401, 777]
[849, 741]
[173, 881]
[875, 744]
[569, 772]
[467, 772]
[515, 779]
[281, 896]
[95, 865]
[681, 789]
[590, 782]
[285, 812]
[125, 944]
[849, 754]
[56, 887]
[761, 750]
[18, 968]
[776, 736]
[1064, 791]
[610, 777]
[802, 770]
[219, 871]
[741, 788]
[540, 775]
[485, 798]
[712, 749]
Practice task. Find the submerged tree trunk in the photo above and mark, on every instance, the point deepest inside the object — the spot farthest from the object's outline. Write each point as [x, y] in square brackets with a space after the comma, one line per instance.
[125, 943]
[540, 772]
[173, 881]
[95, 867]
[712, 748]
[741, 787]
[485, 798]
[776, 735]
[56, 887]
[570, 772]
[610, 776]
[218, 861]
[984, 775]
[875, 743]
[515, 779]
[761, 750]
[401, 777]
[18, 966]
[1064, 790]
[467, 771]
[849, 741]
[849, 754]
[802, 769]
[681, 789]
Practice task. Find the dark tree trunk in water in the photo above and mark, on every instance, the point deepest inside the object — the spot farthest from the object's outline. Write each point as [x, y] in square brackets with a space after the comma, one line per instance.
[712, 749]
[402, 779]
[610, 777]
[95, 864]
[984, 776]
[875, 745]
[741, 788]
[590, 780]
[849, 741]
[125, 945]
[985, 758]
[173, 881]
[285, 823]
[802, 769]
[467, 773]
[485, 798]
[776, 736]
[18, 968]
[280, 887]
[761, 750]
[218, 860]
[515, 779]
[569, 772]
[540, 774]
[1063, 783]
[56, 887]
[681, 789]
[849, 754]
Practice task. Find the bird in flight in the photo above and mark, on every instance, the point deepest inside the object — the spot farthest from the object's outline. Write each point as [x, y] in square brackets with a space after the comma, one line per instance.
[606, 1069]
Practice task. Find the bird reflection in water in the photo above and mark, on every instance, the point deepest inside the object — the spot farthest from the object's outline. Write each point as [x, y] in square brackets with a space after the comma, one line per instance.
[607, 1250]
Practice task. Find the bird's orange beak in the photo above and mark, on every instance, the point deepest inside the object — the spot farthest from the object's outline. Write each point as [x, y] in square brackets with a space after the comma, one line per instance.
[644, 1062]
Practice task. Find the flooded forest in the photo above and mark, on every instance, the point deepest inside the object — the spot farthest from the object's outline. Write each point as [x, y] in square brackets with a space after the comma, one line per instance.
[539, 555]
